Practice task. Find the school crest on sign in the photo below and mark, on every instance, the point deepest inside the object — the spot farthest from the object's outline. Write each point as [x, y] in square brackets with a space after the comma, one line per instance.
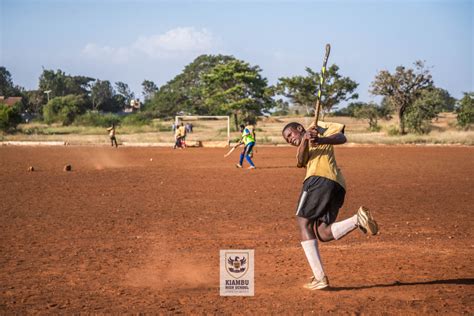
[237, 263]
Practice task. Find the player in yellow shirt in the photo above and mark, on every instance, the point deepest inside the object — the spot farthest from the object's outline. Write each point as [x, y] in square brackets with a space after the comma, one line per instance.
[323, 193]
[180, 137]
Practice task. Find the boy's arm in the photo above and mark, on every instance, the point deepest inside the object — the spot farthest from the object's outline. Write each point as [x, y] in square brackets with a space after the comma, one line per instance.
[303, 151]
[334, 139]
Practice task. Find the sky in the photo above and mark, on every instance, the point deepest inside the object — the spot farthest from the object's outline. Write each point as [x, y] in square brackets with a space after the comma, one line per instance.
[131, 41]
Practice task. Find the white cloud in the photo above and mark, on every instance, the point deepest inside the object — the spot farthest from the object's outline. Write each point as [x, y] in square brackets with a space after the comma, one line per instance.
[118, 55]
[174, 43]
[181, 39]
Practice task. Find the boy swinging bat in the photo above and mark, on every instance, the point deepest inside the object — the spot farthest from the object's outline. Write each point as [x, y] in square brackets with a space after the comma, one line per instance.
[323, 189]
[323, 193]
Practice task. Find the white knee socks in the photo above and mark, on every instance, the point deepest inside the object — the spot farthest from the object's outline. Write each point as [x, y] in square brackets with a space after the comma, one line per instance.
[310, 248]
[342, 228]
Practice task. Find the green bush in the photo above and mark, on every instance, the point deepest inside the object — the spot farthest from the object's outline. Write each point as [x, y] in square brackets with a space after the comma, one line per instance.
[418, 118]
[92, 118]
[393, 131]
[426, 107]
[68, 113]
[64, 109]
[10, 117]
[137, 119]
[465, 111]
[370, 112]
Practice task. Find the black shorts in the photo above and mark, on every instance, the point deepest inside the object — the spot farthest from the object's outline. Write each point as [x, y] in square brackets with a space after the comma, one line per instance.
[320, 199]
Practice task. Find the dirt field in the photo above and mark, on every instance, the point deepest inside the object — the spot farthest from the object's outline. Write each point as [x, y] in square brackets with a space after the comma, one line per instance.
[121, 233]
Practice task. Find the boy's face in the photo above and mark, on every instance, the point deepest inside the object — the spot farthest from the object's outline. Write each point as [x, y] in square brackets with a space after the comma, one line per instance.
[293, 136]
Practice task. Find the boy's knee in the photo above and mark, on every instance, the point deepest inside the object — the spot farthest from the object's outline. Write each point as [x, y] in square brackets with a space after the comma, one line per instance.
[324, 237]
[306, 228]
[324, 233]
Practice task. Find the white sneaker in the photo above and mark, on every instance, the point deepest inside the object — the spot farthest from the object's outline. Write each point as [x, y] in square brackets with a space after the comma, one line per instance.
[317, 284]
[366, 222]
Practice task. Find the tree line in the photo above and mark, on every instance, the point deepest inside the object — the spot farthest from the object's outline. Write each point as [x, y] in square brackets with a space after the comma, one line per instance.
[225, 85]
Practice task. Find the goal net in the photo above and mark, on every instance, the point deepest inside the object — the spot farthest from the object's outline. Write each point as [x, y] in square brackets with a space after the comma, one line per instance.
[208, 131]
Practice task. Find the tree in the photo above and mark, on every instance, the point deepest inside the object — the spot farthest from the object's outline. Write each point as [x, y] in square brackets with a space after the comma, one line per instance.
[6, 82]
[350, 109]
[124, 91]
[9, 117]
[35, 101]
[303, 90]
[444, 101]
[64, 109]
[386, 108]
[102, 95]
[465, 111]
[184, 93]
[402, 87]
[369, 111]
[236, 88]
[191, 83]
[166, 103]
[149, 89]
[7, 88]
[61, 84]
[53, 81]
[78, 85]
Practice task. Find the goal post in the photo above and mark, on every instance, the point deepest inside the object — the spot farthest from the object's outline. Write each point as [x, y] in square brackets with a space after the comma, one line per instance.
[205, 131]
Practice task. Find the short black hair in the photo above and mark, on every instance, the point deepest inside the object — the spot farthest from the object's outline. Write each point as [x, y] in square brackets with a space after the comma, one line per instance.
[242, 126]
[293, 125]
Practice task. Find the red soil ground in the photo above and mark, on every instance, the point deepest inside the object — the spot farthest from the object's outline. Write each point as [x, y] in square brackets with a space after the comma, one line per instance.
[121, 233]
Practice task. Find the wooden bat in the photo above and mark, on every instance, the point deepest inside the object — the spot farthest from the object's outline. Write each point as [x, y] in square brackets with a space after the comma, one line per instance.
[230, 151]
[321, 83]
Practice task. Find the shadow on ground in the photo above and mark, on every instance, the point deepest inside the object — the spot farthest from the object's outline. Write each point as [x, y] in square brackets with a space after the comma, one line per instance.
[468, 281]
